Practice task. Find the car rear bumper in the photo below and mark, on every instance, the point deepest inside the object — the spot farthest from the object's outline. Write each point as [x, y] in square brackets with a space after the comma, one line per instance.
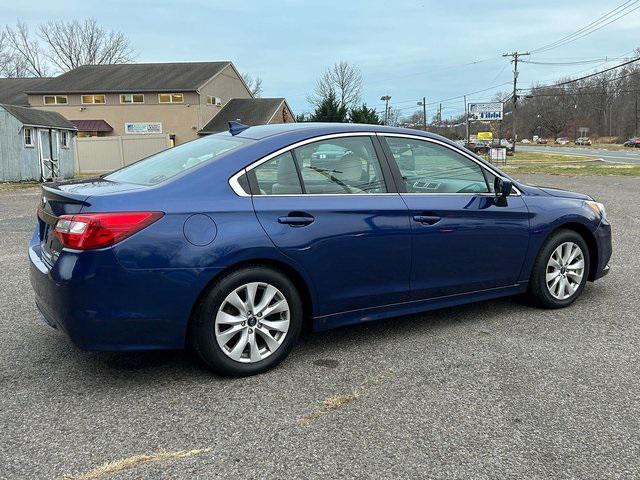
[102, 306]
[605, 249]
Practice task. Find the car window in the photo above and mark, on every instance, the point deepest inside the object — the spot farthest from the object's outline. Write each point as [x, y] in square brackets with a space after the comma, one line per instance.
[344, 165]
[278, 176]
[428, 167]
[169, 163]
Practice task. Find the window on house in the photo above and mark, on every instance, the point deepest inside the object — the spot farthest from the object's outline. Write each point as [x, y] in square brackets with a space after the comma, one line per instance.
[170, 98]
[214, 100]
[89, 99]
[132, 98]
[64, 139]
[55, 99]
[28, 137]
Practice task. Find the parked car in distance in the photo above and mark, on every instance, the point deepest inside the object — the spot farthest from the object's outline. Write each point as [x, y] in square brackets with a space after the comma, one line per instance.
[583, 141]
[479, 147]
[561, 141]
[525, 140]
[632, 142]
[234, 243]
[541, 141]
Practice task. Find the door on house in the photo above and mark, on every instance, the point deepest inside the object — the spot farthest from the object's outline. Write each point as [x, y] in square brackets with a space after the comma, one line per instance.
[49, 154]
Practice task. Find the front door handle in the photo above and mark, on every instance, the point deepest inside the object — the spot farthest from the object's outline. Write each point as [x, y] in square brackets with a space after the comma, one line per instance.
[427, 219]
[296, 221]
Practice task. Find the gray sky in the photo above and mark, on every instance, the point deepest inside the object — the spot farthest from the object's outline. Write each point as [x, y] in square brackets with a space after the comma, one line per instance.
[407, 49]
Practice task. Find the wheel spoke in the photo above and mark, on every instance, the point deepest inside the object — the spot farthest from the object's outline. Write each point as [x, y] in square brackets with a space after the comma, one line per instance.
[279, 325]
[280, 306]
[267, 297]
[255, 355]
[250, 302]
[576, 276]
[235, 300]
[552, 275]
[226, 319]
[228, 334]
[236, 352]
[553, 262]
[575, 251]
[566, 251]
[271, 342]
[576, 266]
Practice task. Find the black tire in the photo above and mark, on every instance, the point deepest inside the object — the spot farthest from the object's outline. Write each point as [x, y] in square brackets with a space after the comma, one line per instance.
[538, 292]
[202, 329]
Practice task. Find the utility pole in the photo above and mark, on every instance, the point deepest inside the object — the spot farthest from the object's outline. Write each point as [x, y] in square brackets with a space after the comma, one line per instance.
[423, 103]
[386, 99]
[515, 56]
[636, 113]
[466, 117]
[440, 115]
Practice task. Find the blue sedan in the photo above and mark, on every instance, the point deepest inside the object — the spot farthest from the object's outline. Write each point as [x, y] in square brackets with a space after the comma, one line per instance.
[234, 243]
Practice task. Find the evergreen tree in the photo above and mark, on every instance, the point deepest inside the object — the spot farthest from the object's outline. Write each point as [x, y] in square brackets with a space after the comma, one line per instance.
[330, 110]
[364, 114]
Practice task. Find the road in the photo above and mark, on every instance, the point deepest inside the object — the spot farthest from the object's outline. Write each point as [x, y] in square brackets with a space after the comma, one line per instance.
[490, 390]
[632, 155]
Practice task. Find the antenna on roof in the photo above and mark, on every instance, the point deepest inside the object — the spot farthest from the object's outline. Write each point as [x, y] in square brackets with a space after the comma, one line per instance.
[237, 127]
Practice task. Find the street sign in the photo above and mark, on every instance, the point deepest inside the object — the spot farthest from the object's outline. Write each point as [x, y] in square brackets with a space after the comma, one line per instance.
[487, 136]
[485, 111]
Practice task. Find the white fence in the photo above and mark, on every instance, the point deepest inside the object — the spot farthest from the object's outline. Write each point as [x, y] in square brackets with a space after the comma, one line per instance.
[105, 154]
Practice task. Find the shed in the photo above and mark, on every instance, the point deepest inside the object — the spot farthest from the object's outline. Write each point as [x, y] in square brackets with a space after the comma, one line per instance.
[35, 145]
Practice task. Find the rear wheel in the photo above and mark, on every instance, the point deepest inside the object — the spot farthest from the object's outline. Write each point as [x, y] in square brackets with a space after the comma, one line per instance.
[248, 322]
[560, 271]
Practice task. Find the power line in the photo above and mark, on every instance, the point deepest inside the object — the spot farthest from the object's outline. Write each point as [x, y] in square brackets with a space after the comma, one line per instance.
[617, 13]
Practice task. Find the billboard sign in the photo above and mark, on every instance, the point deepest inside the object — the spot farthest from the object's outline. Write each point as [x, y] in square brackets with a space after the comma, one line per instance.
[485, 111]
[142, 128]
[486, 136]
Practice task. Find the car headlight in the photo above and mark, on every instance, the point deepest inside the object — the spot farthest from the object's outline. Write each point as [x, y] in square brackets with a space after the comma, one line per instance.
[598, 208]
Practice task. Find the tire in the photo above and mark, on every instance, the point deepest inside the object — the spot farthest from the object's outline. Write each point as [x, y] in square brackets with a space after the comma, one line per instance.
[220, 348]
[550, 295]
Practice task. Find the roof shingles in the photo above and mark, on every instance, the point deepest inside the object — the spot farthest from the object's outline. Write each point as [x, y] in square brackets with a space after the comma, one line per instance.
[249, 111]
[38, 118]
[133, 77]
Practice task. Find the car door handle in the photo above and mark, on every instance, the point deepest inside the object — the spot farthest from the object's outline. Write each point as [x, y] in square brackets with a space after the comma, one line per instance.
[296, 221]
[426, 219]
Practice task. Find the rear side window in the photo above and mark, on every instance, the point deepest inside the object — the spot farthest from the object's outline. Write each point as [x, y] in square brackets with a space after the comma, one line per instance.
[169, 163]
[278, 176]
[344, 165]
[428, 167]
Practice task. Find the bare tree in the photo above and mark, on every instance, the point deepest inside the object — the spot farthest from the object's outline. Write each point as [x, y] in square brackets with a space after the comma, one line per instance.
[26, 55]
[71, 44]
[254, 84]
[342, 80]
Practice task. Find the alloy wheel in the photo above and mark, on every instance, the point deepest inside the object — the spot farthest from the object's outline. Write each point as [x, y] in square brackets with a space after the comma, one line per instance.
[565, 270]
[252, 322]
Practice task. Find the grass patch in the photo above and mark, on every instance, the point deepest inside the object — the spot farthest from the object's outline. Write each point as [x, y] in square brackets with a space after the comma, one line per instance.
[135, 461]
[565, 164]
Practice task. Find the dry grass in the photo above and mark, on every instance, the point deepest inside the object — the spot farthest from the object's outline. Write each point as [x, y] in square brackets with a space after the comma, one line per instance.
[339, 401]
[135, 461]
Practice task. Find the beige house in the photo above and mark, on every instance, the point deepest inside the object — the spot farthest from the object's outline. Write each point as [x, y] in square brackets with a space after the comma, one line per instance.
[178, 99]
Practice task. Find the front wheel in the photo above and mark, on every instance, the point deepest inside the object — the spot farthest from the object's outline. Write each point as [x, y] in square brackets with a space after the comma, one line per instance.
[248, 322]
[560, 271]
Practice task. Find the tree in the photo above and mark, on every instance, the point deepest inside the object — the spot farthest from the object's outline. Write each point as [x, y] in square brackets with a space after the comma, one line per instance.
[364, 114]
[26, 55]
[71, 44]
[301, 117]
[60, 46]
[254, 84]
[330, 110]
[342, 80]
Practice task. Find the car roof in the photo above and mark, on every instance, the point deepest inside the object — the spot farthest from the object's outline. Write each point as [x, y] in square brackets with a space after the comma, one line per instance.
[260, 132]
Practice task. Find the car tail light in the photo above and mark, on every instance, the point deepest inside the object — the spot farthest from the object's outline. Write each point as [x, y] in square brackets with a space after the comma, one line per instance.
[97, 230]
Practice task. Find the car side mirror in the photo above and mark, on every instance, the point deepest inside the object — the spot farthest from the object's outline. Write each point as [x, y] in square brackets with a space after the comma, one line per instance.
[502, 187]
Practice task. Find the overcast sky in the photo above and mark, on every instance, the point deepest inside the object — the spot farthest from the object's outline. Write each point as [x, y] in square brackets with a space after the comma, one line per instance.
[406, 49]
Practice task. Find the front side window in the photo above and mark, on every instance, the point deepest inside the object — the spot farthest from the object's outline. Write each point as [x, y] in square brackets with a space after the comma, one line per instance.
[132, 98]
[169, 163]
[90, 99]
[55, 99]
[170, 98]
[344, 165]
[278, 176]
[28, 137]
[428, 167]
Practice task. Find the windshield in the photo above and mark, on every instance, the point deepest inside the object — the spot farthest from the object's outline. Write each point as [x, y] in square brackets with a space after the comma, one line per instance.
[169, 163]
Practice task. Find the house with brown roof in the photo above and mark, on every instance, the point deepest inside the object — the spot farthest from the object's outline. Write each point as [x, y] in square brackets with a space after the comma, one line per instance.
[178, 99]
[250, 111]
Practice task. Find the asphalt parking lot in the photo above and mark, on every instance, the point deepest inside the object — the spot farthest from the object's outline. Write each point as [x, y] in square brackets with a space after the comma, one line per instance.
[484, 391]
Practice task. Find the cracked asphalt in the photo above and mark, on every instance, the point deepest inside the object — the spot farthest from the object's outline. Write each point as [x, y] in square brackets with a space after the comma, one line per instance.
[489, 390]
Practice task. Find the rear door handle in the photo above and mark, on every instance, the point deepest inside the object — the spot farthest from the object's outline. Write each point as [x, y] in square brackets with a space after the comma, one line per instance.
[427, 219]
[296, 221]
